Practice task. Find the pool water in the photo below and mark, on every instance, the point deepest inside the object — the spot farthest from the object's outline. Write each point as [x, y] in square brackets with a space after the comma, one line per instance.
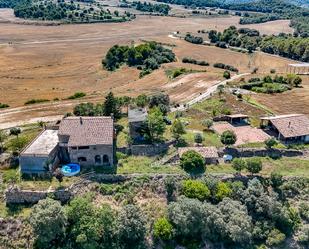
[70, 169]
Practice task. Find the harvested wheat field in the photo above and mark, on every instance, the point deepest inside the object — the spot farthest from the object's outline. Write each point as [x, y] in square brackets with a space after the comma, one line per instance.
[48, 62]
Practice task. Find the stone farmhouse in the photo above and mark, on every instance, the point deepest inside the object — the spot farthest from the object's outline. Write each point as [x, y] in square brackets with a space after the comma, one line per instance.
[88, 141]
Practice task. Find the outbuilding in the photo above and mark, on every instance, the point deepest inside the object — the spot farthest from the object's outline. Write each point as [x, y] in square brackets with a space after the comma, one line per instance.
[210, 154]
[41, 154]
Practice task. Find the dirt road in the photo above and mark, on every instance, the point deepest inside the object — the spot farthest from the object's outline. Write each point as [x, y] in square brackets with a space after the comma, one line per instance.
[210, 91]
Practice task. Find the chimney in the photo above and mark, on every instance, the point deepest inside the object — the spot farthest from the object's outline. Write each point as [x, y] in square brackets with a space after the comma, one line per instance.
[112, 116]
[81, 120]
[289, 124]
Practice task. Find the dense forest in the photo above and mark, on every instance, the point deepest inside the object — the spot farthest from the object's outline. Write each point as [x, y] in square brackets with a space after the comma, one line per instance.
[202, 213]
[275, 9]
[296, 48]
[64, 11]
[146, 57]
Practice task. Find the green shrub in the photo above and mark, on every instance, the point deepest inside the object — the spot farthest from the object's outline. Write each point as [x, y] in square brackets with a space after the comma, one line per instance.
[275, 238]
[77, 95]
[254, 165]
[163, 229]
[238, 164]
[2, 105]
[192, 162]
[195, 189]
[222, 190]
[35, 101]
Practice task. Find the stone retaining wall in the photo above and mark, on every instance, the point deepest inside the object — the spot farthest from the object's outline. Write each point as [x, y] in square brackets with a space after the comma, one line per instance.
[260, 152]
[14, 195]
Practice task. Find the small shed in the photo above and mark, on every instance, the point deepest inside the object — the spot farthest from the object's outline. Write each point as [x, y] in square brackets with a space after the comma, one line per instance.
[40, 154]
[210, 154]
[237, 118]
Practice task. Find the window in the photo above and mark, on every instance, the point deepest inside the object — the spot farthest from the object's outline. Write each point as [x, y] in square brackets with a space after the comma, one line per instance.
[82, 159]
[83, 148]
[74, 148]
[97, 160]
[105, 159]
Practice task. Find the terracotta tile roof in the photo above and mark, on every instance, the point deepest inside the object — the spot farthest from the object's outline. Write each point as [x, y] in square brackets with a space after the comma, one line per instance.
[291, 125]
[206, 152]
[85, 131]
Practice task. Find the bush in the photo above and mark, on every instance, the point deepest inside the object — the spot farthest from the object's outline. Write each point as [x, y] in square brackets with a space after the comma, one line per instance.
[275, 238]
[163, 229]
[254, 165]
[271, 142]
[225, 66]
[198, 138]
[222, 191]
[2, 105]
[227, 75]
[194, 39]
[228, 137]
[195, 189]
[35, 101]
[238, 164]
[192, 162]
[77, 95]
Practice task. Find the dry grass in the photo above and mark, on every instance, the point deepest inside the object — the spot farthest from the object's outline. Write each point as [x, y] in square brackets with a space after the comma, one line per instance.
[55, 61]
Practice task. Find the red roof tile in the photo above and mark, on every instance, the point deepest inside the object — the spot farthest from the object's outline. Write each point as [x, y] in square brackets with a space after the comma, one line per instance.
[85, 131]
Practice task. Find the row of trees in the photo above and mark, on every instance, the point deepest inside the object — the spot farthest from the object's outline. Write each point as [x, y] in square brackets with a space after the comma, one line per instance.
[284, 45]
[61, 10]
[273, 9]
[147, 57]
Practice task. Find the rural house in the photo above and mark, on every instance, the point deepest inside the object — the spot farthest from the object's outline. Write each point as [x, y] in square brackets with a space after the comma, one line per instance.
[137, 117]
[88, 141]
[288, 128]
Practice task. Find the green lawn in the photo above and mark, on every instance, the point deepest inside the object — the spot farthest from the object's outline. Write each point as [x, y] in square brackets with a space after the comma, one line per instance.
[145, 165]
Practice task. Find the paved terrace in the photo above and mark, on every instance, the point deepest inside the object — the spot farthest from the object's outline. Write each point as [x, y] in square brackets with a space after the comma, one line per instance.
[245, 134]
[43, 144]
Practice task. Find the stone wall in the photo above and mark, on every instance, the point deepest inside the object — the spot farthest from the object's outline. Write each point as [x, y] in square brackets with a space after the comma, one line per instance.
[260, 152]
[14, 195]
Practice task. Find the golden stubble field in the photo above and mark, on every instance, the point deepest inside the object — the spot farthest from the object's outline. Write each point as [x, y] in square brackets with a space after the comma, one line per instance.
[57, 61]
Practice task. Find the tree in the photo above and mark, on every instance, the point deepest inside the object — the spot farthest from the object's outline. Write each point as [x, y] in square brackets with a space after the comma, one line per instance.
[89, 226]
[131, 227]
[186, 216]
[220, 90]
[254, 165]
[198, 138]
[160, 100]
[192, 162]
[163, 229]
[208, 123]
[238, 164]
[141, 100]
[15, 131]
[178, 129]
[195, 189]
[111, 106]
[228, 137]
[276, 180]
[48, 222]
[271, 142]
[155, 124]
[227, 74]
[297, 81]
[275, 238]
[3, 137]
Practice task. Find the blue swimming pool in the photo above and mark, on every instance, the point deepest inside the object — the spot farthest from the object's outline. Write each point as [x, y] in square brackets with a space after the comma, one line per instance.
[70, 169]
